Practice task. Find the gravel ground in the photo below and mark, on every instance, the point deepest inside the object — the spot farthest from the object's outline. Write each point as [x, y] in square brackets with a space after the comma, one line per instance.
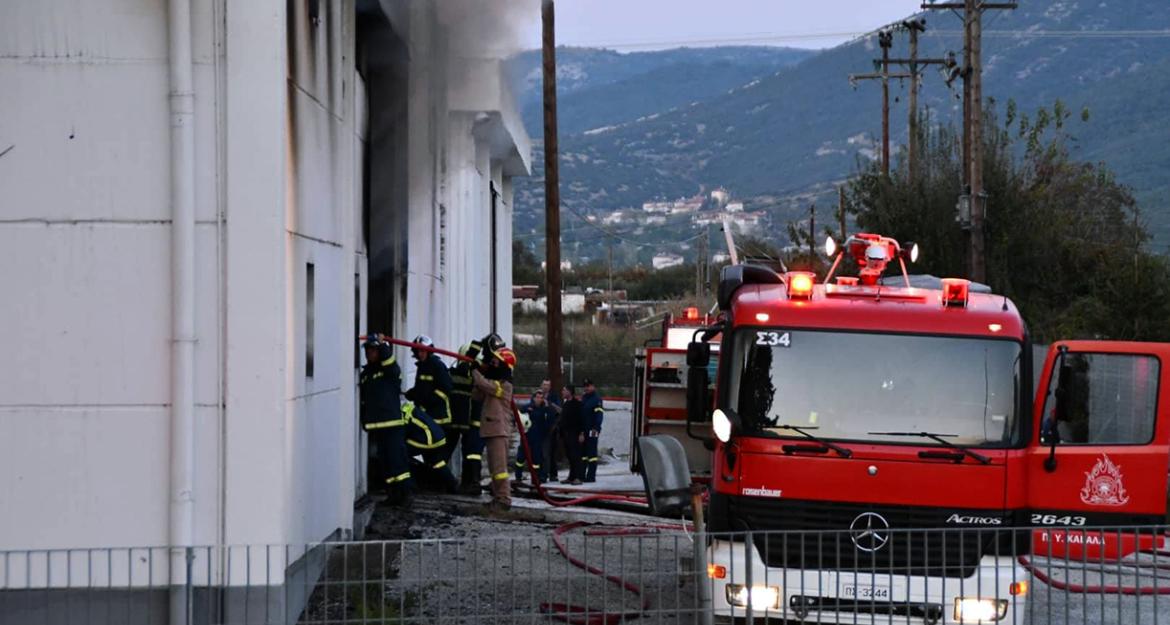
[1061, 603]
[459, 566]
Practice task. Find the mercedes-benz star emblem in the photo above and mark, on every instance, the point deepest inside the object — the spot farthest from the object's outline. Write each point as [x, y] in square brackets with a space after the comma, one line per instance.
[870, 531]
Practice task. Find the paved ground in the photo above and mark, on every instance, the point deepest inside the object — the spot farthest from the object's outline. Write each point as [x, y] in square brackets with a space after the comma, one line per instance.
[460, 566]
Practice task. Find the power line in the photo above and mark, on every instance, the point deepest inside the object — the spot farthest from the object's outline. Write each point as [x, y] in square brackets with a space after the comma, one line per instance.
[783, 37]
[668, 220]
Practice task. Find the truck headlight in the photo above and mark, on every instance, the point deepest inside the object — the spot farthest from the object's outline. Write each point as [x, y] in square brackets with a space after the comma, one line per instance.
[979, 610]
[761, 597]
[721, 423]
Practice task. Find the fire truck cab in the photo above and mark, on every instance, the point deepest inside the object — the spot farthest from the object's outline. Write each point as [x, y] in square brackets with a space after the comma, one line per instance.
[873, 443]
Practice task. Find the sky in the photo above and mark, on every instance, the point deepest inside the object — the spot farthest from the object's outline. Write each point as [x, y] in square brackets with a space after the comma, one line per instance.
[656, 24]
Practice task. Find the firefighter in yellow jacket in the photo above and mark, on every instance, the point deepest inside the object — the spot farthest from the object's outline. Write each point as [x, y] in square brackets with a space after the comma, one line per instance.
[493, 386]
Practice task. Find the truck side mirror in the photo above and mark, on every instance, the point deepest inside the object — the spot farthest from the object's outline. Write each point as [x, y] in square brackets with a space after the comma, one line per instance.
[698, 356]
[1060, 413]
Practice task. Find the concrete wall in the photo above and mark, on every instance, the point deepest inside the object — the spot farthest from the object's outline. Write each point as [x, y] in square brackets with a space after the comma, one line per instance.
[290, 114]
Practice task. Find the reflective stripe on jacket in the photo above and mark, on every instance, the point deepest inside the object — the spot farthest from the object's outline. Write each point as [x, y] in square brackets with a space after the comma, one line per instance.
[381, 390]
[496, 396]
[432, 389]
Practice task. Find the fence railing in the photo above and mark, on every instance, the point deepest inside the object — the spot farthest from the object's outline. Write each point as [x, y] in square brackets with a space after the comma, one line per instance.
[602, 575]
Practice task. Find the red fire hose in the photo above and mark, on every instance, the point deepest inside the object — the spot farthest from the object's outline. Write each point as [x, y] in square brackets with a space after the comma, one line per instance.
[540, 489]
[1099, 589]
[579, 615]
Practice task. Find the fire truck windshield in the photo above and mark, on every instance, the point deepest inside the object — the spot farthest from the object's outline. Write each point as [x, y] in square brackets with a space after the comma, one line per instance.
[849, 384]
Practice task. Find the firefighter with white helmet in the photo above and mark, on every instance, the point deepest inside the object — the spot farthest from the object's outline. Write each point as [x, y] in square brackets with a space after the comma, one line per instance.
[432, 382]
[465, 421]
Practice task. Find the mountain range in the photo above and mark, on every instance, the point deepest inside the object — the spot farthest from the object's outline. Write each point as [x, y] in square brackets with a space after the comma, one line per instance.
[781, 127]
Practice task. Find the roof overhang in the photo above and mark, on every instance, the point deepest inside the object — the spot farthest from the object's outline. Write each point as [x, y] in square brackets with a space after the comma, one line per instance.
[477, 86]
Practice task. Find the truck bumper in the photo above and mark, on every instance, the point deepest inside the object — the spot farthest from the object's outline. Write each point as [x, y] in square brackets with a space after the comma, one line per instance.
[861, 597]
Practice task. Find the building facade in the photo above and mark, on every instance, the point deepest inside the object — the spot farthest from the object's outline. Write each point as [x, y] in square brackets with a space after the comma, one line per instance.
[205, 203]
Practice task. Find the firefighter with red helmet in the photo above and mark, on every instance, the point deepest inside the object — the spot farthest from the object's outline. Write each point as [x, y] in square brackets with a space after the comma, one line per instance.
[492, 384]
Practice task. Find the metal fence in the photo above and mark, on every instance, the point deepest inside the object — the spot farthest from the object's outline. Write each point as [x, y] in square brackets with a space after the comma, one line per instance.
[602, 575]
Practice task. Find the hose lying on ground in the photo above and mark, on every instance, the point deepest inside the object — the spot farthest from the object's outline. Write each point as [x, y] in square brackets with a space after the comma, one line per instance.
[582, 615]
[1097, 589]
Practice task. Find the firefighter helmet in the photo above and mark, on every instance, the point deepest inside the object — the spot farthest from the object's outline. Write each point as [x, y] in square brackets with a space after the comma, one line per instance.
[506, 356]
[425, 340]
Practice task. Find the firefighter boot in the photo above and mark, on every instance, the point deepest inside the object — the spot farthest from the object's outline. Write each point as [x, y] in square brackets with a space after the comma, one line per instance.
[469, 485]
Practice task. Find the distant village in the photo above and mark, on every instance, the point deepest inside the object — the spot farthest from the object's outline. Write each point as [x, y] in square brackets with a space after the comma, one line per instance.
[716, 209]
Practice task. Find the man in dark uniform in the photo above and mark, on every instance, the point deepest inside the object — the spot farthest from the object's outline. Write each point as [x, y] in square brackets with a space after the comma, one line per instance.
[432, 383]
[593, 414]
[540, 417]
[381, 418]
[572, 432]
[465, 417]
[426, 438]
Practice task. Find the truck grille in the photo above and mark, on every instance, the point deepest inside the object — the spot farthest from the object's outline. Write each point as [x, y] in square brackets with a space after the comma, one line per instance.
[818, 535]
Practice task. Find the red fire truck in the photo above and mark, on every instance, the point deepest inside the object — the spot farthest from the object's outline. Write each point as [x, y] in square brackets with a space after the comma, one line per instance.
[893, 431]
[659, 401]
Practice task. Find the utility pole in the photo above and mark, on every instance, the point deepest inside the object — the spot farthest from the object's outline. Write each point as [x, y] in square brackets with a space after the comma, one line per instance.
[973, 201]
[700, 266]
[841, 211]
[610, 294]
[812, 232]
[914, 27]
[552, 196]
[978, 199]
[885, 39]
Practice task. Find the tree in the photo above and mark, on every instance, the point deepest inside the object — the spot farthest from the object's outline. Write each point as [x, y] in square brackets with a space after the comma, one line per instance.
[1064, 239]
[525, 266]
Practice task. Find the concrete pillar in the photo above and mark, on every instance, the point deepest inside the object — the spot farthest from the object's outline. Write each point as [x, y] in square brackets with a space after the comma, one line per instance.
[422, 280]
[257, 275]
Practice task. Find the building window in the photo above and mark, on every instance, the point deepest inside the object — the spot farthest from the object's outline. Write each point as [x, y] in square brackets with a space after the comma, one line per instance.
[310, 299]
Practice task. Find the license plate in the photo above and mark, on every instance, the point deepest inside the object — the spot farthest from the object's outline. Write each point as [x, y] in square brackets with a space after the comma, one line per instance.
[869, 593]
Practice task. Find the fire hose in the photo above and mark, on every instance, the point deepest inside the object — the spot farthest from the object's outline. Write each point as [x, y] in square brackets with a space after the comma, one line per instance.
[578, 615]
[1096, 589]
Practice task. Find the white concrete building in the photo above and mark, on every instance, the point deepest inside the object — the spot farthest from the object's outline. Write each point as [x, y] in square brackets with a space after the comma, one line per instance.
[205, 203]
[666, 260]
[720, 196]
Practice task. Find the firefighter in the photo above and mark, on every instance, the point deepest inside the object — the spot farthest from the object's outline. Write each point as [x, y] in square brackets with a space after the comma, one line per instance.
[492, 384]
[540, 418]
[465, 416]
[432, 383]
[426, 438]
[381, 418]
[593, 414]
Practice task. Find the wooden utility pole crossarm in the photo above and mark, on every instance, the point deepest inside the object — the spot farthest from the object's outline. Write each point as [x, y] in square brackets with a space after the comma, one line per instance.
[885, 39]
[973, 201]
[552, 196]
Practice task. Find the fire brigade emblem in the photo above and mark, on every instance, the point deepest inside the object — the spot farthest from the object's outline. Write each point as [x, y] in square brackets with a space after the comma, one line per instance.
[1103, 485]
